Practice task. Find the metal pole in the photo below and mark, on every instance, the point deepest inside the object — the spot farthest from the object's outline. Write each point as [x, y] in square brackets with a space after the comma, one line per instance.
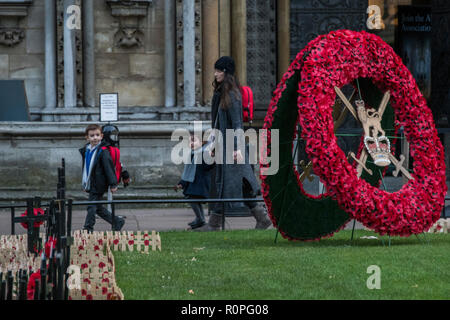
[63, 178]
[36, 289]
[51, 218]
[50, 273]
[62, 220]
[60, 279]
[113, 216]
[59, 185]
[426, 239]
[2, 294]
[58, 229]
[169, 53]
[50, 57]
[109, 198]
[69, 242]
[13, 225]
[189, 53]
[9, 285]
[223, 216]
[36, 239]
[69, 217]
[43, 289]
[30, 223]
[353, 229]
[22, 287]
[66, 290]
[3, 291]
[284, 194]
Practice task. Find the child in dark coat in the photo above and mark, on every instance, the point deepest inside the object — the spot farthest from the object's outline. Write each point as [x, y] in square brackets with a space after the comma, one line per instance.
[196, 180]
[98, 175]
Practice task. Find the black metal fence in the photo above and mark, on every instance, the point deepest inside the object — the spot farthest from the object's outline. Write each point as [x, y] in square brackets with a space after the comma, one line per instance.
[51, 283]
[57, 219]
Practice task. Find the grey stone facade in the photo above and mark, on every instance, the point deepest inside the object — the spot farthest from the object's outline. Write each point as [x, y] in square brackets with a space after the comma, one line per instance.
[124, 42]
[24, 60]
[128, 58]
[136, 48]
[32, 152]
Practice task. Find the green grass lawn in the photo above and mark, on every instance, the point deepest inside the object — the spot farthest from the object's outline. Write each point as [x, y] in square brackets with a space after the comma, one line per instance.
[250, 265]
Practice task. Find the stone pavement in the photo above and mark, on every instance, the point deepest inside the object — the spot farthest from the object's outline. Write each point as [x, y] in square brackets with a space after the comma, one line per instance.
[142, 219]
[165, 219]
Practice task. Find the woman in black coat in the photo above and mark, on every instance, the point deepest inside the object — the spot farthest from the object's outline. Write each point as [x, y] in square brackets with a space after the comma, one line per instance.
[231, 180]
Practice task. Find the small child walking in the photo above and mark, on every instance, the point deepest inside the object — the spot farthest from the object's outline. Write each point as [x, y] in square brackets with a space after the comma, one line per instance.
[196, 180]
[98, 175]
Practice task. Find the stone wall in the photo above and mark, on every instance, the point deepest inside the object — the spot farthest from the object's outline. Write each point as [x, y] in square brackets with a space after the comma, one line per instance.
[136, 73]
[25, 60]
[32, 152]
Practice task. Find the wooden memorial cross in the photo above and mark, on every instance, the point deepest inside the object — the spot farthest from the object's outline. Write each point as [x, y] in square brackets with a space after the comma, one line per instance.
[30, 219]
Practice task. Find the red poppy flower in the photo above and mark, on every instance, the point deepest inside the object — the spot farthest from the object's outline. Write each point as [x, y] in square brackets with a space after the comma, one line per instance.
[36, 212]
[31, 286]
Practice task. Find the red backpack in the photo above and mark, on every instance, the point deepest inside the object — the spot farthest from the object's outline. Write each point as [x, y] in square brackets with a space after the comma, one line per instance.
[247, 104]
[115, 156]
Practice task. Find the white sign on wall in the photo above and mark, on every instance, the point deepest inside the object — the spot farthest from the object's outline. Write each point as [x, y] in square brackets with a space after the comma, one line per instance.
[109, 107]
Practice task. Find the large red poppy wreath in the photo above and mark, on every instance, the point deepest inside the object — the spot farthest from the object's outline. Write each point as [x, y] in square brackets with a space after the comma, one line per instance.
[337, 59]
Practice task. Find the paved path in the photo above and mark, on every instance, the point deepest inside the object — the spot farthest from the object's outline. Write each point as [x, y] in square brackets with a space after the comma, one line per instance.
[141, 219]
[175, 218]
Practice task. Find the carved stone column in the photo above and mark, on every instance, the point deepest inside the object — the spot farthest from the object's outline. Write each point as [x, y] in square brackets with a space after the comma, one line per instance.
[261, 53]
[189, 52]
[283, 37]
[88, 54]
[224, 27]
[69, 55]
[194, 45]
[239, 38]
[169, 53]
[70, 77]
[50, 57]
[210, 45]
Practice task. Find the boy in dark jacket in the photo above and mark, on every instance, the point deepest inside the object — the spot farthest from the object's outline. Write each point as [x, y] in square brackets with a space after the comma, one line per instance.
[98, 175]
[196, 180]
